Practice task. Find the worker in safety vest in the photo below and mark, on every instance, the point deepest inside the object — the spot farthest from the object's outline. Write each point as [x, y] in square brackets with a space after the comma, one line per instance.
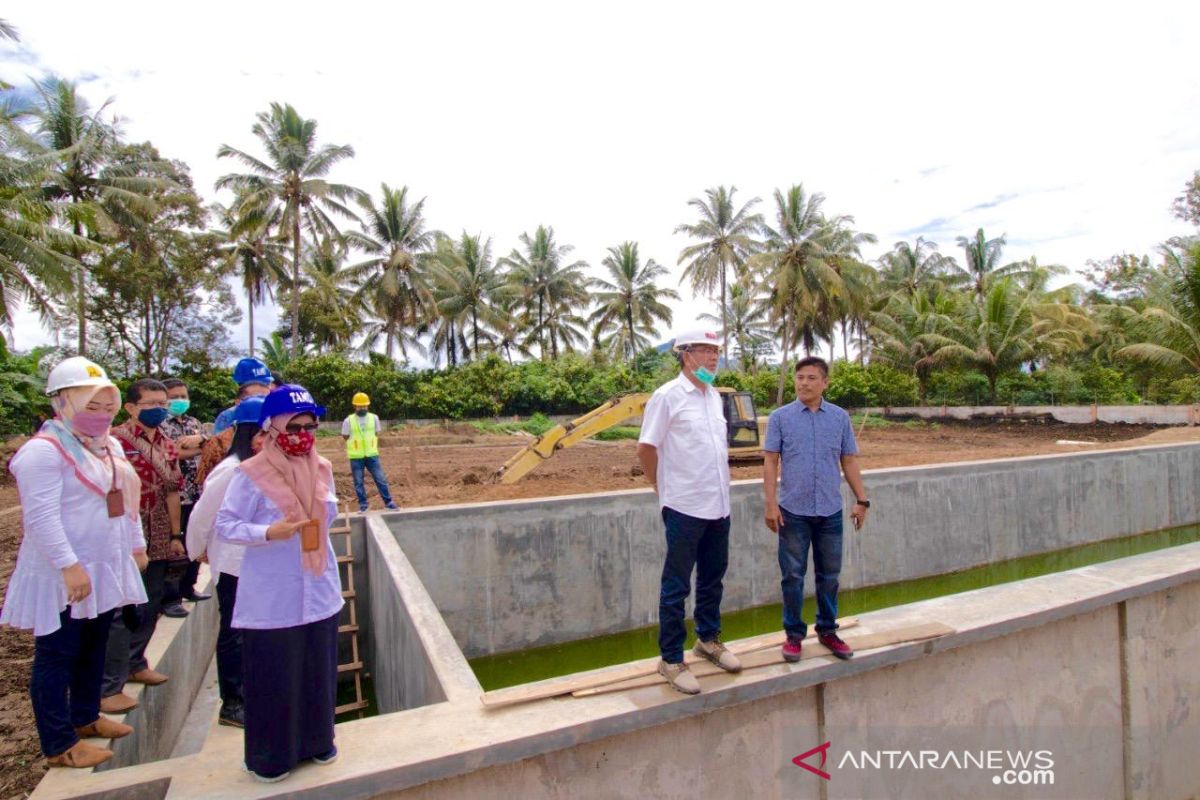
[361, 431]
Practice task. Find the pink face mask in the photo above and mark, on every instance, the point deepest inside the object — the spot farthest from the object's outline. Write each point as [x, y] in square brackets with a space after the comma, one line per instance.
[91, 423]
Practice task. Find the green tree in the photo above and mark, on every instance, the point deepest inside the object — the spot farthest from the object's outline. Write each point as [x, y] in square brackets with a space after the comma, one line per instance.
[251, 252]
[793, 264]
[629, 305]
[551, 288]
[94, 196]
[908, 268]
[727, 239]
[331, 309]
[293, 176]
[983, 263]
[1166, 332]
[747, 314]
[468, 283]
[396, 278]
[904, 333]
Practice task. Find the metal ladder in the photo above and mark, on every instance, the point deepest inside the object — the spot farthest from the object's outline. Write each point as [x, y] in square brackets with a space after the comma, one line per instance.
[355, 665]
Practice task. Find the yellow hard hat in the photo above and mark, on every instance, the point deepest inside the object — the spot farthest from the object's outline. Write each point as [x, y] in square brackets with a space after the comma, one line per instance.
[360, 399]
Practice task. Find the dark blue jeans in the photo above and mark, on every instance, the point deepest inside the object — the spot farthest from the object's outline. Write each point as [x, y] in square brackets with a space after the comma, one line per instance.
[702, 544]
[68, 666]
[825, 536]
[229, 644]
[357, 465]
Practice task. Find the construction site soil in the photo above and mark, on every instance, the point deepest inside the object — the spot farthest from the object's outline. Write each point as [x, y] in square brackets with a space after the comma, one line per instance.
[454, 464]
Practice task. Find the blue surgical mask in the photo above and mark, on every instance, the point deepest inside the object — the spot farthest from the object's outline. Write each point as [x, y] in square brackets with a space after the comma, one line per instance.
[704, 376]
[179, 407]
[153, 417]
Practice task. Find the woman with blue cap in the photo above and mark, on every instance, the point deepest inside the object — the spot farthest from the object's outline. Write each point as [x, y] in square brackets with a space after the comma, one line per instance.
[279, 505]
[225, 559]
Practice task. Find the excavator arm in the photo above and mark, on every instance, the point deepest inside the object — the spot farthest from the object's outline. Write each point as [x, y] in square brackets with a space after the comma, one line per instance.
[612, 413]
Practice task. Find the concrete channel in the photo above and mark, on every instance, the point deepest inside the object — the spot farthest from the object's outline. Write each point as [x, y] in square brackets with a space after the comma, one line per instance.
[1093, 665]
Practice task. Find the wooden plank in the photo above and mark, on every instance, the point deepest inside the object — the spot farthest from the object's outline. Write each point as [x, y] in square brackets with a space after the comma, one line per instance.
[345, 559]
[353, 665]
[357, 705]
[348, 628]
[349, 594]
[570, 683]
[765, 657]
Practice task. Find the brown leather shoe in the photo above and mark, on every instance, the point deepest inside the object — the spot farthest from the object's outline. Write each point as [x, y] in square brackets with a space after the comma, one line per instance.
[104, 728]
[81, 755]
[148, 676]
[119, 703]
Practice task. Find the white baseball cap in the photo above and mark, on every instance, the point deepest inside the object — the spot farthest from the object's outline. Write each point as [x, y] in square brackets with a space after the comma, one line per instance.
[696, 336]
[76, 371]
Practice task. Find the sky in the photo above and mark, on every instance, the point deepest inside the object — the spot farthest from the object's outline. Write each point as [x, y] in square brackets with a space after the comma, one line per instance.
[1067, 127]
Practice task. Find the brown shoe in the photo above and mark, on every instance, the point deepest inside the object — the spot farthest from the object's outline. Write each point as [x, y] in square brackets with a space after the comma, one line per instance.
[119, 703]
[104, 728]
[81, 755]
[148, 676]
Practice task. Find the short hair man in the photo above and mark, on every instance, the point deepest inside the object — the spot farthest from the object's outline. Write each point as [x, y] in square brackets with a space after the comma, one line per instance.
[812, 438]
[684, 451]
[188, 435]
[153, 455]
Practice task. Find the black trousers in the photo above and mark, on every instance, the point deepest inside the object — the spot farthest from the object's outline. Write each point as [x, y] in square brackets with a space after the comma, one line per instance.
[126, 652]
[229, 643]
[181, 582]
[68, 666]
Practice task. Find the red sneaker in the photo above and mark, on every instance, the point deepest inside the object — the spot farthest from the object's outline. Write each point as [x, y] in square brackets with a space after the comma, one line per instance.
[835, 645]
[791, 649]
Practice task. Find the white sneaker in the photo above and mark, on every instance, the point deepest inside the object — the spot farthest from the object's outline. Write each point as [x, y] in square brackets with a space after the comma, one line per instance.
[680, 677]
[718, 654]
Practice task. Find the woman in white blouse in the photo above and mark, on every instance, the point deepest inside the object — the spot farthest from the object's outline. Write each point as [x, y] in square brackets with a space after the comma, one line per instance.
[79, 560]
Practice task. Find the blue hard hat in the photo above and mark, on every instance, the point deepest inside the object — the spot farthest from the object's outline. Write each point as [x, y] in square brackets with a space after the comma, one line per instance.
[248, 411]
[291, 398]
[251, 370]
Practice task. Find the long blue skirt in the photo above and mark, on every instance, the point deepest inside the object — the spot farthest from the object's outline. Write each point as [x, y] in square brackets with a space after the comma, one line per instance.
[290, 686]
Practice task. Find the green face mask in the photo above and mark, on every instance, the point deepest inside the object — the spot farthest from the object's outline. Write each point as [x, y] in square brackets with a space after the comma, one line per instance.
[704, 376]
[178, 407]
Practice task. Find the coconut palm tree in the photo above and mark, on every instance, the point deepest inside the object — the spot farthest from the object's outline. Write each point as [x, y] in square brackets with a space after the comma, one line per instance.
[331, 309]
[747, 314]
[94, 198]
[396, 276]
[908, 267]
[793, 264]
[727, 239]
[843, 251]
[548, 286]
[34, 267]
[1167, 329]
[983, 263]
[294, 177]
[253, 253]
[900, 332]
[1009, 328]
[631, 303]
[468, 283]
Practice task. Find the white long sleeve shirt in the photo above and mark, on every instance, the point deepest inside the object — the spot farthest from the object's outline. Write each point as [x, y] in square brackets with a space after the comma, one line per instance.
[223, 556]
[65, 523]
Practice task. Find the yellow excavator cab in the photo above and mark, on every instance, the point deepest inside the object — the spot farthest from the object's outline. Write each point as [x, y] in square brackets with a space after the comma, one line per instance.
[744, 430]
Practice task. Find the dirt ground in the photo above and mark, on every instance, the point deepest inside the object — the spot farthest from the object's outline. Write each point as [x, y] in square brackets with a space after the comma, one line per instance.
[437, 467]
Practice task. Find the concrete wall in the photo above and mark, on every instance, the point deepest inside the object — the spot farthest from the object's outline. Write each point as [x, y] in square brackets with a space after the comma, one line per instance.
[512, 575]
[1141, 415]
[414, 660]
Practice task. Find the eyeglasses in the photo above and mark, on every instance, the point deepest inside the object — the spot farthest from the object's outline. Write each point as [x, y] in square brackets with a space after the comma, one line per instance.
[309, 428]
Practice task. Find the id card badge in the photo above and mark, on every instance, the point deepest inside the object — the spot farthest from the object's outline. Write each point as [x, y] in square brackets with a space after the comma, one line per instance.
[115, 501]
[310, 536]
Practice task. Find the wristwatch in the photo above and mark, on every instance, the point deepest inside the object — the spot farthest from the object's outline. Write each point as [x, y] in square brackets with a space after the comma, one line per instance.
[863, 503]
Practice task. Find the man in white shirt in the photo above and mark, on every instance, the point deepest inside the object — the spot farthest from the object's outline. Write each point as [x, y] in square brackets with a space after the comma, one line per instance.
[683, 448]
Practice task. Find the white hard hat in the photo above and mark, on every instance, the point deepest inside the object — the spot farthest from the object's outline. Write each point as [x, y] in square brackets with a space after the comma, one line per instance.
[76, 371]
[696, 336]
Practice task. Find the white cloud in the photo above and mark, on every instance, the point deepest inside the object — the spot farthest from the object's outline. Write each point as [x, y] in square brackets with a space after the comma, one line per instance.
[604, 120]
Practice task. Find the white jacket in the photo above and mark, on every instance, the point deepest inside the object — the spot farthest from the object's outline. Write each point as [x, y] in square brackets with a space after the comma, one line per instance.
[222, 556]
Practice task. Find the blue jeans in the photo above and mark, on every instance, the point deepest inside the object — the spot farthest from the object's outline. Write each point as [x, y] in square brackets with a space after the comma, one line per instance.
[697, 543]
[356, 471]
[68, 666]
[825, 535]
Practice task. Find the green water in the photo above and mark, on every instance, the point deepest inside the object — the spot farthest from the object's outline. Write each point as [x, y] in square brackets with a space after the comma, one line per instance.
[535, 664]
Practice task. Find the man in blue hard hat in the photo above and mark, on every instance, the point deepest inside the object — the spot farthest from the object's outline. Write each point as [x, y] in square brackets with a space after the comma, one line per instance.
[254, 380]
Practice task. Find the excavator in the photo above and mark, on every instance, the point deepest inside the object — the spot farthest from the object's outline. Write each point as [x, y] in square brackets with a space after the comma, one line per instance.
[745, 431]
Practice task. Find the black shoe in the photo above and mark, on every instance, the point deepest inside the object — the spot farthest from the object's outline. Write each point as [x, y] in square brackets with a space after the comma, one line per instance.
[233, 716]
[196, 597]
[174, 610]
